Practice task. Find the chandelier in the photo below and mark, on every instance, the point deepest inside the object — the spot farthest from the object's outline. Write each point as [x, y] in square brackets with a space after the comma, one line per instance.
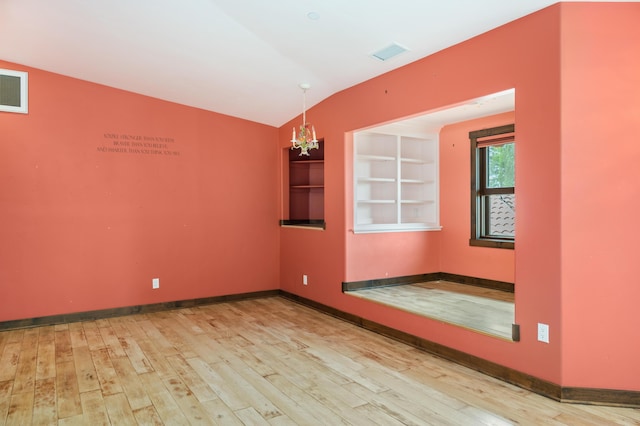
[306, 137]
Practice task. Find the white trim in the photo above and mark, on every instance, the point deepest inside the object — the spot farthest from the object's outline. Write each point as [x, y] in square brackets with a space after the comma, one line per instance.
[24, 92]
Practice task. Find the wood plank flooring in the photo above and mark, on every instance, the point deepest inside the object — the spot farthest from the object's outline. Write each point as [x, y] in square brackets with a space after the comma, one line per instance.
[264, 361]
[480, 309]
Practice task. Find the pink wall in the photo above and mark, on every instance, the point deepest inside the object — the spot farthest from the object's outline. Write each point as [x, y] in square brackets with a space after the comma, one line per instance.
[456, 255]
[575, 69]
[600, 195]
[518, 55]
[319, 254]
[84, 230]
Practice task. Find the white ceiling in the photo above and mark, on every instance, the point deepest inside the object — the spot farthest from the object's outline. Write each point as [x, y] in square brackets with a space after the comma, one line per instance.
[428, 125]
[243, 58]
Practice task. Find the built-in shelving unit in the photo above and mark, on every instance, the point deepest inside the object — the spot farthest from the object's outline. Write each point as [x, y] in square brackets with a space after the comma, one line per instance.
[395, 183]
[306, 188]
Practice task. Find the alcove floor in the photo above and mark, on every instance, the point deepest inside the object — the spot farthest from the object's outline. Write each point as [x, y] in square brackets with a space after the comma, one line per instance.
[480, 309]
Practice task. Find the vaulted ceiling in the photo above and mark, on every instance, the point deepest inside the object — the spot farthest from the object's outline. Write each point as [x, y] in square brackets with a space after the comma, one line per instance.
[243, 58]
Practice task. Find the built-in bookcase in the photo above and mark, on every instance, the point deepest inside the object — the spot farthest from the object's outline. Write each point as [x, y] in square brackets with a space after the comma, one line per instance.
[306, 188]
[395, 183]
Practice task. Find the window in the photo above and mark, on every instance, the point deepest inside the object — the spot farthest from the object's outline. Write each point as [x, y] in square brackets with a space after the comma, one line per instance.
[493, 187]
[13, 91]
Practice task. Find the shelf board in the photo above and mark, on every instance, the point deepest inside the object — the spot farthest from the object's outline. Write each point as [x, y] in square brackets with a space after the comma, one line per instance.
[306, 186]
[375, 179]
[377, 201]
[376, 157]
[304, 223]
[413, 160]
[416, 201]
[421, 225]
[299, 162]
[366, 228]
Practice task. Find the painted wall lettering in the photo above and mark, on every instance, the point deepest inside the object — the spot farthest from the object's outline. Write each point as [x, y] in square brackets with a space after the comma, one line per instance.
[126, 143]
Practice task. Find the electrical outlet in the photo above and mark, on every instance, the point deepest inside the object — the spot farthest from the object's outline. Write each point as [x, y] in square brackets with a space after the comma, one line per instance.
[305, 281]
[543, 333]
[155, 283]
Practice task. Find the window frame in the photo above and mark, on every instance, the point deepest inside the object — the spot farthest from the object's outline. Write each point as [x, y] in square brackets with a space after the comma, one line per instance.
[23, 77]
[486, 137]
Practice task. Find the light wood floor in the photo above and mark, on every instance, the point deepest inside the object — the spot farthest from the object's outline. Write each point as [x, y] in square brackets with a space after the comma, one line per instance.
[480, 309]
[257, 362]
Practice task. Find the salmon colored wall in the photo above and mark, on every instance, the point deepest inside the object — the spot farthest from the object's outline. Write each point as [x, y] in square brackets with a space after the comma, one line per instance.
[518, 55]
[85, 230]
[575, 69]
[600, 195]
[456, 255]
[319, 254]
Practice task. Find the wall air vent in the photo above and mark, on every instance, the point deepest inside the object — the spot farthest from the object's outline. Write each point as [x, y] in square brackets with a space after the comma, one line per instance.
[13, 91]
[389, 52]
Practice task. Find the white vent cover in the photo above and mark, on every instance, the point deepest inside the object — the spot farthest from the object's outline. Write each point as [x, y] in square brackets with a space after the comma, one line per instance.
[13, 91]
[389, 52]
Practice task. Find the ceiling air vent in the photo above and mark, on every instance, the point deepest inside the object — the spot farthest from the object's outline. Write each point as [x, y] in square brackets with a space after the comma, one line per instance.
[13, 91]
[389, 52]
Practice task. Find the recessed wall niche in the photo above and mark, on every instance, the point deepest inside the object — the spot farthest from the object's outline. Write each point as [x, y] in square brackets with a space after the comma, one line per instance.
[304, 200]
[396, 166]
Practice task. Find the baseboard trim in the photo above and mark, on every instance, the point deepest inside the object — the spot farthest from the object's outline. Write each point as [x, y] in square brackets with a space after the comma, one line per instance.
[478, 282]
[611, 397]
[129, 310]
[434, 276]
[388, 282]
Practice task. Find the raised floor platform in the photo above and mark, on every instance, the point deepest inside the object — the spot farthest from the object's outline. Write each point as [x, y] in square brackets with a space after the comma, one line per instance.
[480, 309]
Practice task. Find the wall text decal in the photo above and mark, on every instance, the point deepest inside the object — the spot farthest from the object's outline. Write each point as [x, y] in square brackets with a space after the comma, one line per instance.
[125, 143]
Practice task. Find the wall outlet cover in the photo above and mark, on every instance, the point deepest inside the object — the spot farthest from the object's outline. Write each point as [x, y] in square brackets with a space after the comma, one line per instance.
[543, 333]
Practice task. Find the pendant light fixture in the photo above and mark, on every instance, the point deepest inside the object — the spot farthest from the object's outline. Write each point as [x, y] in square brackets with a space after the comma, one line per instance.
[305, 139]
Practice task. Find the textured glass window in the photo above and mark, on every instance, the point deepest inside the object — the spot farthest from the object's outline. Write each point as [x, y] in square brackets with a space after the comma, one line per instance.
[10, 90]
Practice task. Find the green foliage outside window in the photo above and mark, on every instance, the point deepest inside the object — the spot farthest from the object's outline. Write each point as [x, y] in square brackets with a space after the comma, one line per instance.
[501, 166]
